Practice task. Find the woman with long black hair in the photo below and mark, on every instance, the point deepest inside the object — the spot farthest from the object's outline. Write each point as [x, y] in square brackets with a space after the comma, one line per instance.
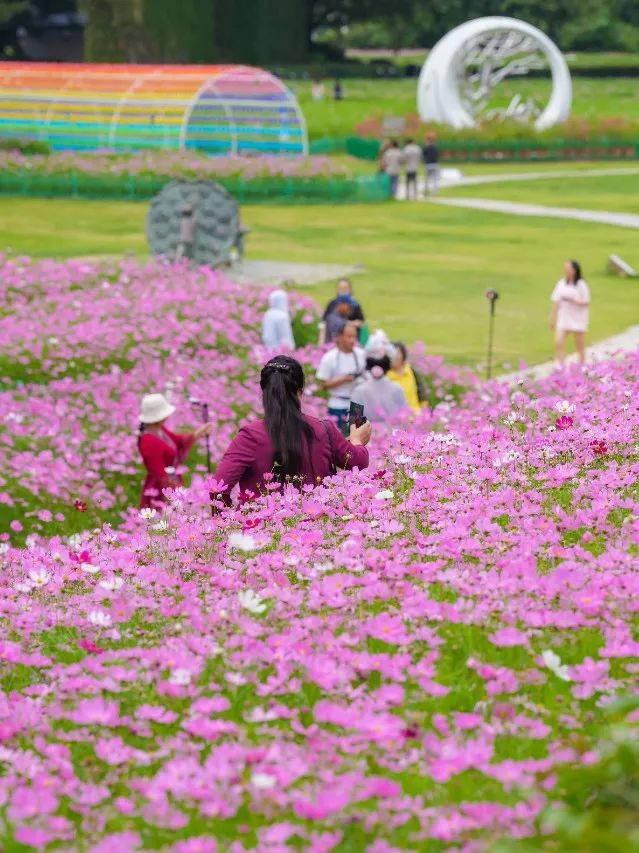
[294, 447]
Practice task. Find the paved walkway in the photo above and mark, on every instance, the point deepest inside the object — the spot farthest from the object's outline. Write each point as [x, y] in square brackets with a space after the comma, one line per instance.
[624, 220]
[615, 347]
[453, 177]
[474, 180]
[273, 273]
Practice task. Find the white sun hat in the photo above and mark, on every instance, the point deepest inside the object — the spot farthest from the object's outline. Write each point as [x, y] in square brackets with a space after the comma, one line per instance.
[155, 407]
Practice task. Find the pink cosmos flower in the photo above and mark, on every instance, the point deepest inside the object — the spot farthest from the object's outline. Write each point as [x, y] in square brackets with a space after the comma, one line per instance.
[564, 422]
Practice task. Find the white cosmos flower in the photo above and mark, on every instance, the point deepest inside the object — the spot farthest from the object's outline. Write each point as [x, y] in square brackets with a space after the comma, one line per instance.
[242, 542]
[180, 677]
[160, 525]
[251, 601]
[260, 715]
[263, 781]
[4, 547]
[99, 618]
[385, 495]
[89, 568]
[39, 577]
[24, 587]
[148, 512]
[403, 459]
[112, 584]
[564, 407]
[554, 664]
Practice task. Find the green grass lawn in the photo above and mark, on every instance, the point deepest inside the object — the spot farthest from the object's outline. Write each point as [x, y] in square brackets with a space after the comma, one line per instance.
[612, 192]
[427, 266]
[365, 99]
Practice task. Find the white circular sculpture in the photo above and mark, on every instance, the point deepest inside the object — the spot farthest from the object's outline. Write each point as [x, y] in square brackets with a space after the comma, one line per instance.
[466, 65]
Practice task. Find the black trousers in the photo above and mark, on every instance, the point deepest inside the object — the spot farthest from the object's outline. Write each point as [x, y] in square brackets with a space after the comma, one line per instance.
[411, 184]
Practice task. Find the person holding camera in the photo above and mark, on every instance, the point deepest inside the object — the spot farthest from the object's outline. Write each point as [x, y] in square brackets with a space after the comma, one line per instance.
[162, 451]
[287, 446]
[339, 371]
[570, 311]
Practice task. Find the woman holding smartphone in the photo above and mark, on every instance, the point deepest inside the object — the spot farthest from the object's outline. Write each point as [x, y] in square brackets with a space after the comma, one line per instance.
[293, 447]
[570, 311]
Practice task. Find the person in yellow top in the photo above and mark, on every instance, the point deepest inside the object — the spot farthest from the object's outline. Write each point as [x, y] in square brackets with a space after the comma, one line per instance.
[403, 374]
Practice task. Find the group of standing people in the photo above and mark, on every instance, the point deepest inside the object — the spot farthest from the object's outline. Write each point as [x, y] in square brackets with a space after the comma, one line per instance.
[408, 160]
[292, 447]
[287, 445]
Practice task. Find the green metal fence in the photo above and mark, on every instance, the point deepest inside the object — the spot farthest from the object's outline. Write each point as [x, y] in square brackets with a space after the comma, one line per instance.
[512, 151]
[293, 190]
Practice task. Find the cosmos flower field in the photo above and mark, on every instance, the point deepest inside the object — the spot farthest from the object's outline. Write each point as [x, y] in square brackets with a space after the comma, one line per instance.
[421, 656]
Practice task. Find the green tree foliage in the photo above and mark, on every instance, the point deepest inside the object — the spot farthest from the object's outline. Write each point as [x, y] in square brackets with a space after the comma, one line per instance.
[181, 32]
[574, 24]
[277, 31]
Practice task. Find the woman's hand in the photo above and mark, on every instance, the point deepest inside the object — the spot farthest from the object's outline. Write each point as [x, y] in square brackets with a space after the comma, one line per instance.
[361, 434]
[205, 429]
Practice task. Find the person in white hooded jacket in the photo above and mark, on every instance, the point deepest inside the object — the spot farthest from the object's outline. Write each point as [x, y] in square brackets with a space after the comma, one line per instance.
[277, 332]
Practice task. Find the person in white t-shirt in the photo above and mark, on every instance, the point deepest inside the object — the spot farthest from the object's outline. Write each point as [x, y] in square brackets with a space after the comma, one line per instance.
[339, 371]
[570, 311]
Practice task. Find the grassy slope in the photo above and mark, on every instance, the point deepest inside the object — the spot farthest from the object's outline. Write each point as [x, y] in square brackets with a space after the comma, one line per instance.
[618, 193]
[426, 267]
[367, 98]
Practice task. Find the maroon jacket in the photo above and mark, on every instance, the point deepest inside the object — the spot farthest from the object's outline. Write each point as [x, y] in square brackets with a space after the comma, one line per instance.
[159, 454]
[250, 455]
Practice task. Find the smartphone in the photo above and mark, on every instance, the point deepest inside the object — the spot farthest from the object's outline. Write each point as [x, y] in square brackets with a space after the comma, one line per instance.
[356, 415]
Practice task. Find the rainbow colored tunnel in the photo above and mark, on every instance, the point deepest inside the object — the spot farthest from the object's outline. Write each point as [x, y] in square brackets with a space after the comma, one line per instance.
[221, 109]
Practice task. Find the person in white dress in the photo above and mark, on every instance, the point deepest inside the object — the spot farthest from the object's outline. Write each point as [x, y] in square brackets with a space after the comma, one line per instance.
[570, 311]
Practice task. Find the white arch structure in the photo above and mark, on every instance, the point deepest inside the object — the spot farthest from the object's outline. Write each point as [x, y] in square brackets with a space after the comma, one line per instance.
[468, 62]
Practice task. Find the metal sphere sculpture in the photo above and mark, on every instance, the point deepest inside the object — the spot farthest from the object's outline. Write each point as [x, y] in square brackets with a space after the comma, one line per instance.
[462, 70]
[198, 220]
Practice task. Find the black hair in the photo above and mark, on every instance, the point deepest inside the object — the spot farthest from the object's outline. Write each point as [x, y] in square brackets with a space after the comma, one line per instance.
[382, 361]
[141, 431]
[281, 380]
[401, 346]
[577, 268]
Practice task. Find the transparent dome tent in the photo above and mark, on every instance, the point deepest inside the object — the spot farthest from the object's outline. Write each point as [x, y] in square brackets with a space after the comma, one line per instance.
[220, 109]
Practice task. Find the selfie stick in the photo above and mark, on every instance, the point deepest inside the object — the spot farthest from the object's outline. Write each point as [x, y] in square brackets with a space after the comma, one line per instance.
[492, 296]
[204, 412]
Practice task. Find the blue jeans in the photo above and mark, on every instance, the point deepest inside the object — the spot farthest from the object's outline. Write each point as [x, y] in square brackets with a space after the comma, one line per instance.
[340, 416]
